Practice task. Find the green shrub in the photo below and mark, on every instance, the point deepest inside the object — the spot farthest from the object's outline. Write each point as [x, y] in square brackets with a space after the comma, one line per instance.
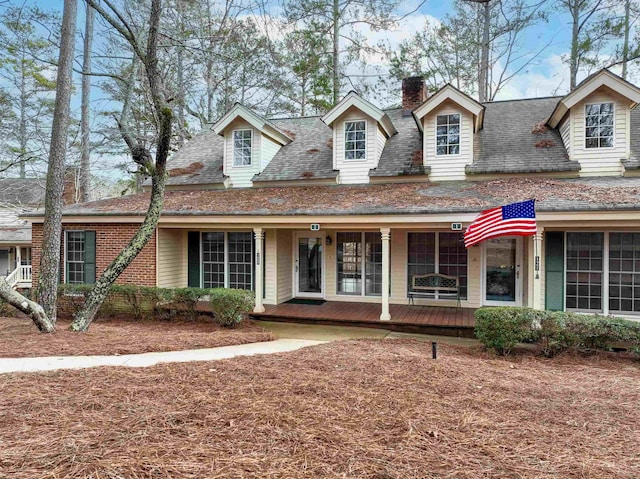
[501, 328]
[230, 306]
[186, 299]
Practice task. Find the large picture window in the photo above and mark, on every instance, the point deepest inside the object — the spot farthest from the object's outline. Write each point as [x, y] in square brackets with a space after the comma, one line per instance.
[355, 136]
[584, 271]
[448, 134]
[359, 263]
[227, 260]
[442, 253]
[599, 125]
[80, 257]
[242, 140]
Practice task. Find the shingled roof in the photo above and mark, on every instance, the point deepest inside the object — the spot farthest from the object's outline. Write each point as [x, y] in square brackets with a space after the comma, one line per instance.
[22, 191]
[509, 144]
[583, 194]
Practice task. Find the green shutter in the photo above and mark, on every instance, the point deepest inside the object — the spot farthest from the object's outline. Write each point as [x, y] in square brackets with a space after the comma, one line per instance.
[193, 259]
[89, 257]
[554, 270]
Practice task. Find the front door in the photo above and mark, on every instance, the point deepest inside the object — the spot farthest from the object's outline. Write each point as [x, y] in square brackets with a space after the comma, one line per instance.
[502, 276]
[308, 265]
[4, 262]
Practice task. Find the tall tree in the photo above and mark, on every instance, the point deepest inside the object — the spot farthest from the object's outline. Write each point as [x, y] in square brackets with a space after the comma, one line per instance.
[85, 126]
[141, 155]
[47, 288]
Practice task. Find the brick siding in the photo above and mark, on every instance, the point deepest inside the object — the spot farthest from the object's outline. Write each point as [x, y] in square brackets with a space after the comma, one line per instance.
[110, 239]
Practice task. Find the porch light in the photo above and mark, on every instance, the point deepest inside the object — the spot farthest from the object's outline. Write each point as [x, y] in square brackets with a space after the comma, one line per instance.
[328, 241]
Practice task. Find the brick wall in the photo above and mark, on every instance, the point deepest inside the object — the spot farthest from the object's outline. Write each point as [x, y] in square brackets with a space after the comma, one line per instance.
[110, 239]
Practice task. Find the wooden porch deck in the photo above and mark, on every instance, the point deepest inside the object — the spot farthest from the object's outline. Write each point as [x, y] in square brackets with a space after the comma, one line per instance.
[426, 319]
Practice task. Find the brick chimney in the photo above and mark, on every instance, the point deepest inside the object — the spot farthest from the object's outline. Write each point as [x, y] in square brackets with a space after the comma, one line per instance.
[414, 92]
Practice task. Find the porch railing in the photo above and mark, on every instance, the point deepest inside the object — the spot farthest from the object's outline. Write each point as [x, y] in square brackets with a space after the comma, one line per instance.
[21, 276]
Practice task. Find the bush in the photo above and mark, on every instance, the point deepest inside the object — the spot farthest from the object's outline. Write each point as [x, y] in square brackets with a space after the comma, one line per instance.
[186, 299]
[230, 306]
[500, 328]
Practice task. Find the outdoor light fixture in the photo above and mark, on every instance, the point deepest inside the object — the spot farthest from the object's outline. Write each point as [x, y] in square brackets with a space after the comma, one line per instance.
[328, 241]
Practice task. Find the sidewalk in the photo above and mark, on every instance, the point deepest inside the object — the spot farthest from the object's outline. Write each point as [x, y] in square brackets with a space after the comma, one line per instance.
[51, 363]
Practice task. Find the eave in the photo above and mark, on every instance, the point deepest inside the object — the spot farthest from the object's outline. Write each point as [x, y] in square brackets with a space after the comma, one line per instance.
[355, 101]
[449, 92]
[256, 121]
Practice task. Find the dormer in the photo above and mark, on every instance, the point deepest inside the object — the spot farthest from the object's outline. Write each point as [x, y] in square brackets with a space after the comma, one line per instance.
[360, 132]
[594, 122]
[448, 120]
[250, 143]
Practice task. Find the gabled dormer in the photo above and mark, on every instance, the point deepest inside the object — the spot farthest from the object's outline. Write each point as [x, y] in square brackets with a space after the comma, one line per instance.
[448, 120]
[594, 122]
[250, 143]
[360, 132]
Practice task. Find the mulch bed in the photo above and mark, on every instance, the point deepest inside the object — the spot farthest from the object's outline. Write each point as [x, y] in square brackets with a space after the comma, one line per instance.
[354, 409]
[20, 338]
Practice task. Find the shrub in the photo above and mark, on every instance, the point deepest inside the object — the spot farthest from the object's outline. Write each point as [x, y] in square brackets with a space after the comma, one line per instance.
[230, 306]
[500, 328]
[186, 299]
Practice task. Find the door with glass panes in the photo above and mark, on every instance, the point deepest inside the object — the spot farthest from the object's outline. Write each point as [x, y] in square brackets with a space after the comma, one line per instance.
[308, 265]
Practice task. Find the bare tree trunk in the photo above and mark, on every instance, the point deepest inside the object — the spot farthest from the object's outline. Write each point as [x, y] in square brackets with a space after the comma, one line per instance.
[49, 278]
[23, 121]
[33, 310]
[625, 46]
[483, 74]
[575, 37]
[336, 51]
[142, 157]
[85, 147]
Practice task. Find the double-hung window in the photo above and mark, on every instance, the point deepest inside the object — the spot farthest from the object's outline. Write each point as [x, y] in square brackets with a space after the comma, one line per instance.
[242, 142]
[448, 134]
[80, 257]
[355, 139]
[442, 253]
[359, 263]
[599, 125]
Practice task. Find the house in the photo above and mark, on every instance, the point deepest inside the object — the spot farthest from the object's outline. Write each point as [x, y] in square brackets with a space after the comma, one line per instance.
[17, 196]
[358, 204]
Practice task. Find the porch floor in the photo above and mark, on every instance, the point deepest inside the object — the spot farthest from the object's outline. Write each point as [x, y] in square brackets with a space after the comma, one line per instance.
[427, 319]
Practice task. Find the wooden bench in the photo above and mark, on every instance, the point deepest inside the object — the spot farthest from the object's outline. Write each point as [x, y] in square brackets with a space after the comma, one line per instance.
[425, 284]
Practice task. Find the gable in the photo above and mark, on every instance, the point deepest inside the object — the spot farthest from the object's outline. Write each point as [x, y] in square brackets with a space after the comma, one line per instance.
[450, 94]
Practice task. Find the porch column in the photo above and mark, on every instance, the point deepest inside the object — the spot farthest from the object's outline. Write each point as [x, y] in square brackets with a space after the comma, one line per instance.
[386, 267]
[537, 271]
[18, 256]
[259, 235]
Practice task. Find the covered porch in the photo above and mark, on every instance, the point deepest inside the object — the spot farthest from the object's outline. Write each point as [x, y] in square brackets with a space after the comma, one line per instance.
[450, 321]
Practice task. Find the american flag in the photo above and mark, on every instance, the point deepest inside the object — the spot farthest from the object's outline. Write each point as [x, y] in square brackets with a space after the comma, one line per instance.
[514, 219]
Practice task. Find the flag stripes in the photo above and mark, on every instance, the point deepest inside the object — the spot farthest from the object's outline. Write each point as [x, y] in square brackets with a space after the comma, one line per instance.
[516, 219]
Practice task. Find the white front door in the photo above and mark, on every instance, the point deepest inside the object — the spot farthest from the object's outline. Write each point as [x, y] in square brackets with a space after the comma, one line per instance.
[308, 265]
[502, 276]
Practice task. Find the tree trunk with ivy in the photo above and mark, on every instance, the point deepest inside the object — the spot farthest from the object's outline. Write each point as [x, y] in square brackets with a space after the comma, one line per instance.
[141, 156]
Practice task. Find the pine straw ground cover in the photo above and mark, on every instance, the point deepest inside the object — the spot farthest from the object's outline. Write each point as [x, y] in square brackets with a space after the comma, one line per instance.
[20, 338]
[355, 409]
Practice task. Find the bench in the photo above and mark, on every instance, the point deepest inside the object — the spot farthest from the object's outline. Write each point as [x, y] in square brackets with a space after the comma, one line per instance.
[425, 284]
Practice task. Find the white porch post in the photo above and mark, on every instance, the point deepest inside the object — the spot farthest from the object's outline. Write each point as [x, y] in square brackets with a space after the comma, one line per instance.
[537, 271]
[259, 235]
[18, 256]
[386, 268]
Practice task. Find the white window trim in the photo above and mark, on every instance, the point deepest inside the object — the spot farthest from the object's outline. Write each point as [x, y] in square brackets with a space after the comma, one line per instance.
[227, 272]
[435, 136]
[363, 265]
[64, 262]
[233, 149]
[366, 139]
[613, 126]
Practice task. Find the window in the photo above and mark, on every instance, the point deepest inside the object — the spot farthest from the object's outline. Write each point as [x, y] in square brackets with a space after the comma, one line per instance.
[227, 260]
[448, 134]
[355, 135]
[359, 256]
[584, 271]
[80, 257]
[624, 272]
[442, 253]
[242, 147]
[599, 125]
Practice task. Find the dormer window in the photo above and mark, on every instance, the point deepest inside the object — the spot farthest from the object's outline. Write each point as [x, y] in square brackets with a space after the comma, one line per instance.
[599, 125]
[242, 140]
[355, 134]
[448, 134]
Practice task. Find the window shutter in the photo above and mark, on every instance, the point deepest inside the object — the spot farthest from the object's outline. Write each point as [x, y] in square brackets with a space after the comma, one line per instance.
[554, 270]
[193, 259]
[89, 257]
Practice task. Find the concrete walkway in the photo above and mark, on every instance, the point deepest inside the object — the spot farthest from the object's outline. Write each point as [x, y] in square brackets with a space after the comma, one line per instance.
[50, 363]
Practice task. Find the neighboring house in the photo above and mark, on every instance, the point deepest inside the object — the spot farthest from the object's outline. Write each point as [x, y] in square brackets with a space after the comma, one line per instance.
[357, 204]
[17, 196]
